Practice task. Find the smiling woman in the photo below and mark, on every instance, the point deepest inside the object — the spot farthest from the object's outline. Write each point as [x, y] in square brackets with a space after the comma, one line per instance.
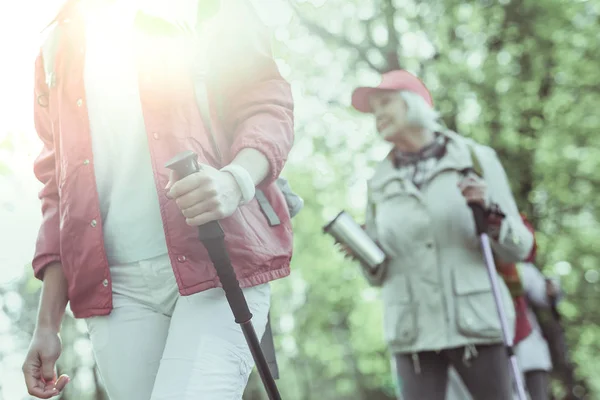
[409, 109]
[438, 303]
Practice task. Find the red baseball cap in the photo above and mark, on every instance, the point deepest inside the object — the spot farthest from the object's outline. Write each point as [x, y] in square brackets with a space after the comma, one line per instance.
[393, 81]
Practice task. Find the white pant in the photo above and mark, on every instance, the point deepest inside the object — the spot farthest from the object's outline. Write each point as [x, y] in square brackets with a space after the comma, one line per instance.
[158, 345]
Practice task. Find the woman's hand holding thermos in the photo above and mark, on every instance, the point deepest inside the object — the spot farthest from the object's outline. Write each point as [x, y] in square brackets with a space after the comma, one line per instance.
[354, 241]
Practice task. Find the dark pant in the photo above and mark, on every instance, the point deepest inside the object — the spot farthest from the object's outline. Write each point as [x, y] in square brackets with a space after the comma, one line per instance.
[538, 383]
[486, 374]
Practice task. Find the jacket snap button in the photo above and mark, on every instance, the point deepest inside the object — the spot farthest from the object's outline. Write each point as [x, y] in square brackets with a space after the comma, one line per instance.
[79, 103]
[429, 245]
[86, 162]
[93, 223]
[105, 282]
[155, 135]
[181, 258]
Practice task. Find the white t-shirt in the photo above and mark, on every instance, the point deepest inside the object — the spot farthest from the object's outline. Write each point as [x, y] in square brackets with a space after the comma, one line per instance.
[129, 205]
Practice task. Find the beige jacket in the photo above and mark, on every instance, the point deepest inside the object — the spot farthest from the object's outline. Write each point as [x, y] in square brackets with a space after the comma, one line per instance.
[435, 288]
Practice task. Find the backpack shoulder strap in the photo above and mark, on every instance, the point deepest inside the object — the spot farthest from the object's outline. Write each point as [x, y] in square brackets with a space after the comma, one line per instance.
[475, 161]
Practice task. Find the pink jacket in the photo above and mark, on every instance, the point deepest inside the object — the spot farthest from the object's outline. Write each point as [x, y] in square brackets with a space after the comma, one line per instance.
[258, 113]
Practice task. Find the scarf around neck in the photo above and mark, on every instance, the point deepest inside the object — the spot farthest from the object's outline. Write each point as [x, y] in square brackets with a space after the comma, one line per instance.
[416, 166]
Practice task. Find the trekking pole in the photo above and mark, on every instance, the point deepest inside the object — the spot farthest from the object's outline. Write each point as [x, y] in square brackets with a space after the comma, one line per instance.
[213, 238]
[479, 214]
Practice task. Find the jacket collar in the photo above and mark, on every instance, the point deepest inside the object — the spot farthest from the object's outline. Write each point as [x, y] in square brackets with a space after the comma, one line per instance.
[458, 154]
[51, 38]
[457, 157]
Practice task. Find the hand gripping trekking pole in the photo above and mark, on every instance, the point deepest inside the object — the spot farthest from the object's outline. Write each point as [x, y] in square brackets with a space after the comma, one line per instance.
[213, 238]
[480, 216]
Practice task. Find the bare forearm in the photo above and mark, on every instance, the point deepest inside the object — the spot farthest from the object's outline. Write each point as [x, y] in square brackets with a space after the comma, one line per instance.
[54, 298]
[253, 161]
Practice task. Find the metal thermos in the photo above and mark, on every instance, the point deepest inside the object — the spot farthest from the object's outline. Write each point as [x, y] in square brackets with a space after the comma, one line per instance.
[346, 231]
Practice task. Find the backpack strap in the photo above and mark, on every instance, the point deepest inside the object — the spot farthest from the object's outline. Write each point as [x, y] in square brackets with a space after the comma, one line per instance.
[477, 169]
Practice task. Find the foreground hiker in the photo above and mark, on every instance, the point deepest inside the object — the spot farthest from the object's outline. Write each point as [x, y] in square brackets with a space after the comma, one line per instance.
[114, 100]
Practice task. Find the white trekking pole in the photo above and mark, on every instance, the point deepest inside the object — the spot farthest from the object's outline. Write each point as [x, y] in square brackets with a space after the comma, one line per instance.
[480, 217]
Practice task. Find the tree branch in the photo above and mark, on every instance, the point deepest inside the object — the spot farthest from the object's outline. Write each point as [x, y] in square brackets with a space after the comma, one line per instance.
[369, 25]
[340, 40]
[393, 46]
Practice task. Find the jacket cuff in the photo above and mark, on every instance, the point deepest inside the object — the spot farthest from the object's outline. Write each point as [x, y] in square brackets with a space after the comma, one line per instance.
[274, 154]
[494, 220]
[40, 263]
[375, 277]
[514, 238]
[47, 249]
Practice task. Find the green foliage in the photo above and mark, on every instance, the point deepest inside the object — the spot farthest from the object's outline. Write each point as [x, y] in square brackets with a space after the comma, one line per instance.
[516, 75]
[520, 75]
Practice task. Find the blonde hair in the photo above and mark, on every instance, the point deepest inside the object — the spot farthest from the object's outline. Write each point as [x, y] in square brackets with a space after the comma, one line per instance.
[419, 113]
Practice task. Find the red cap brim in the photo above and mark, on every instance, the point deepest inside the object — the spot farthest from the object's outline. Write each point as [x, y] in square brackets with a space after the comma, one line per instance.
[391, 81]
[361, 96]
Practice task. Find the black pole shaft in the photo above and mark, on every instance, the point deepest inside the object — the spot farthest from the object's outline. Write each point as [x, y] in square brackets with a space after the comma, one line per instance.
[239, 307]
[213, 238]
[261, 362]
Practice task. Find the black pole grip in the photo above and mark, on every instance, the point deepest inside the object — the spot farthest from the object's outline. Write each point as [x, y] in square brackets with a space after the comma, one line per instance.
[184, 164]
[480, 217]
[212, 236]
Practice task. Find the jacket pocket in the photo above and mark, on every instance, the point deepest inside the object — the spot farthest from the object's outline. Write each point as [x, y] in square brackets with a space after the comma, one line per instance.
[400, 323]
[476, 312]
[400, 312]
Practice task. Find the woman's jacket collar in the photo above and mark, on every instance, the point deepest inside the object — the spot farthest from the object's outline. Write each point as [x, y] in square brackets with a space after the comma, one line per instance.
[457, 157]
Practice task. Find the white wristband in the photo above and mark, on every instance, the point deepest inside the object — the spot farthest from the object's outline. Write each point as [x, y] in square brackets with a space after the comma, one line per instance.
[243, 180]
